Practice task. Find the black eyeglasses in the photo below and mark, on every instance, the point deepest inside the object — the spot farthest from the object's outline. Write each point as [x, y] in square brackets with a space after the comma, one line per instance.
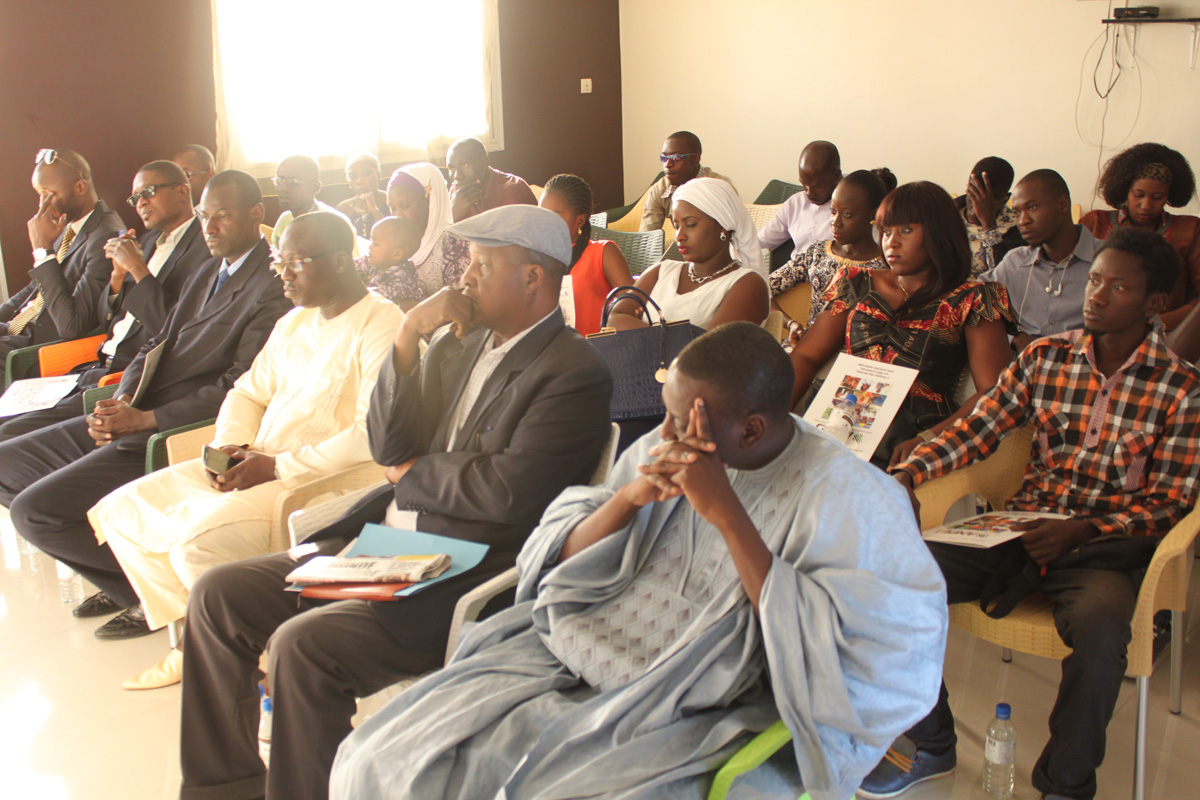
[148, 192]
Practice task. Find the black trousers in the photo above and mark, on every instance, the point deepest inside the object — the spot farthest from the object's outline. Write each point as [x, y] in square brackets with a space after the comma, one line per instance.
[1093, 610]
[49, 479]
[321, 659]
[69, 407]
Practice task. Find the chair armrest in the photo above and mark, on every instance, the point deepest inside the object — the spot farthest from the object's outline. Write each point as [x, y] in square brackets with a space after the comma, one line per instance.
[310, 520]
[470, 604]
[360, 476]
[19, 362]
[93, 396]
[111, 379]
[997, 478]
[156, 445]
[1165, 586]
[186, 445]
[61, 358]
[750, 757]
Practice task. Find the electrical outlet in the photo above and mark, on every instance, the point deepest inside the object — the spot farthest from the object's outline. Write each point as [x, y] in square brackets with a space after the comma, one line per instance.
[585, 85]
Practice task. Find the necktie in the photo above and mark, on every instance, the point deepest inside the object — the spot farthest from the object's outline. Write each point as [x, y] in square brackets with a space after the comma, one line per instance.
[34, 307]
[222, 276]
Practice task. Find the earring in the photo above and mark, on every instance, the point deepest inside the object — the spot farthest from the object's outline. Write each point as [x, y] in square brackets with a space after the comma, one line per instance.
[724, 236]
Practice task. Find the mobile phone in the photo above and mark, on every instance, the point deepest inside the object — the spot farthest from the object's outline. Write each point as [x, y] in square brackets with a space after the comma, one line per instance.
[216, 461]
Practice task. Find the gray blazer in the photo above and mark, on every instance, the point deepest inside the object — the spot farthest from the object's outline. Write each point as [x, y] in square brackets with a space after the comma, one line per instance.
[208, 344]
[539, 426]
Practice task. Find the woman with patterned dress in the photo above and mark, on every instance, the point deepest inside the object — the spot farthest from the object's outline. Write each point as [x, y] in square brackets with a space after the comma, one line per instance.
[596, 268]
[852, 215]
[925, 312]
[1139, 183]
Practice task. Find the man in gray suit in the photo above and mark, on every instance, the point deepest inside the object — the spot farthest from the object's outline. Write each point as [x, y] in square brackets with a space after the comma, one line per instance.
[71, 270]
[507, 407]
[51, 477]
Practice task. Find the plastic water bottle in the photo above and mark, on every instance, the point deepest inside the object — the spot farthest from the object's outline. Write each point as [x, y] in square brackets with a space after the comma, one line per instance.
[264, 728]
[70, 584]
[999, 754]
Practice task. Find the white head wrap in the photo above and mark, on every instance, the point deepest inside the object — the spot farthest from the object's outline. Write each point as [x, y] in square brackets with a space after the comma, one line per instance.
[438, 196]
[718, 199]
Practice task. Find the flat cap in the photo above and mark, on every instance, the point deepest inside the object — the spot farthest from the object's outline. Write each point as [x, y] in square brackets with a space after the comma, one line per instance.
[524, 225]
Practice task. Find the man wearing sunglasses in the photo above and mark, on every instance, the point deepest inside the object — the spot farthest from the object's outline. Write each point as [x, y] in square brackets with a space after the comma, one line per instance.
[680, 162]
[71, 271]
[147, 278]
[297, 181]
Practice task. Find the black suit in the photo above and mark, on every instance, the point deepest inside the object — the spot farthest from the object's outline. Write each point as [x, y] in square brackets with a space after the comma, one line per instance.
[51, 477]
[539, 425]
[149, 301]
[71, 288]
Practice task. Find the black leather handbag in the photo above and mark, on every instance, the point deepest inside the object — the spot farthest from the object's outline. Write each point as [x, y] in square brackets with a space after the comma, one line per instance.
[638, 359]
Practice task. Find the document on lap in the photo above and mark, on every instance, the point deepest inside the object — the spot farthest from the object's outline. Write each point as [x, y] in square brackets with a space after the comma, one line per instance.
[34, 394]
[985, 530]
[382, 545]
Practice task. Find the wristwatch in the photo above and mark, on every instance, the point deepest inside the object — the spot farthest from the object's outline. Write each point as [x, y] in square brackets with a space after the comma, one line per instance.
[40, 254]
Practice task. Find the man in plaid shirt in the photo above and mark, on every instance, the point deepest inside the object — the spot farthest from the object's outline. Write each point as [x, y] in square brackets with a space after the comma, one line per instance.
[1116, 415]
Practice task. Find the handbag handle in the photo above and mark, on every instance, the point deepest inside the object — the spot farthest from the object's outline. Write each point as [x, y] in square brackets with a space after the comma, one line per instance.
[630, 293]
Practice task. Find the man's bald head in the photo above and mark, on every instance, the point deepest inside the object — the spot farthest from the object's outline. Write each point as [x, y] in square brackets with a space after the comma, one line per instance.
[820, 170]
[302, 167]
[64, 178]
[297, 181]
[198, 164]
[328, 280]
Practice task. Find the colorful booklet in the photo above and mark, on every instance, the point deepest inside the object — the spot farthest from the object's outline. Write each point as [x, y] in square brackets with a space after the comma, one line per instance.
[985, 530]
[382, 542]
[858, 401]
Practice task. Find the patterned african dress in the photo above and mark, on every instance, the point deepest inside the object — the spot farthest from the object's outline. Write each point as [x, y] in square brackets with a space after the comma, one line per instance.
[818, 265]
[931, 339]
[1182, 231]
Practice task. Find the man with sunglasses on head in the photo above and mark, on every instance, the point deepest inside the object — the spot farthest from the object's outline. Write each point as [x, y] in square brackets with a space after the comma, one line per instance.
[147, 278]
[71, 270]
[50, 478]
[297, 181]
[680, 162]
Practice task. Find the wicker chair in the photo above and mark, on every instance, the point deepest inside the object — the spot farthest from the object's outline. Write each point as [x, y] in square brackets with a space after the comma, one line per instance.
[1030, 627]
[796, 302]
[642, 249]
[632, 219]
[762, 214]
[776, 192]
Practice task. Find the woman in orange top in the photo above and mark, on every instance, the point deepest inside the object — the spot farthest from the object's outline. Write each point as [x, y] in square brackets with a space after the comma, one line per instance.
[596, 267]
[1139, 183]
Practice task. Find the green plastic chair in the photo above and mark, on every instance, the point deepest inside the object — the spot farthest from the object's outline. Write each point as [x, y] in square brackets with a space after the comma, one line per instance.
[749, 758]
[642, 249]
[776, 192]
[21, 361]
[95, 395]
[156, 445]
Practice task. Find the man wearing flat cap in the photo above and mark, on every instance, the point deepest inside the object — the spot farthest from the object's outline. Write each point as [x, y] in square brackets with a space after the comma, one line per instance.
[505, 409]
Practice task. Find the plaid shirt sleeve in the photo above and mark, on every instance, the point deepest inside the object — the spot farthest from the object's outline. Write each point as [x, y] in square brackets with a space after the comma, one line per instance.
[1170, 483]
[976, 435]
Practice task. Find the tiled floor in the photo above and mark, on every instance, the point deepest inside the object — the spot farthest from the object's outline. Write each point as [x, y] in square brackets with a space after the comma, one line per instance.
[69, 732]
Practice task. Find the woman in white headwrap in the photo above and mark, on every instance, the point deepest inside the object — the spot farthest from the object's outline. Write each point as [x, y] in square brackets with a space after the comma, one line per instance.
[418, 192]
[722, 279]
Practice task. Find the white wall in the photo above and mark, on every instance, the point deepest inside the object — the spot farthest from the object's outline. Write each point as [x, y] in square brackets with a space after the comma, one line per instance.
[925, 87]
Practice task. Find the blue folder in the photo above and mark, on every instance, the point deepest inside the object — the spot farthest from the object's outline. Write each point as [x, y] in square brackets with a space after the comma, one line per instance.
[380, 541]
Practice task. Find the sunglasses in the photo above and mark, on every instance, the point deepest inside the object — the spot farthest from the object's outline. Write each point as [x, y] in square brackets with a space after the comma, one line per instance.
[148, 192]
[675, 158]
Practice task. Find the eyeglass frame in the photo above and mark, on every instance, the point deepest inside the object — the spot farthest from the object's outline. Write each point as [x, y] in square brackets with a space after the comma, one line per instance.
[152, 190]
[289, 181]
[675, 158]
[278, 265]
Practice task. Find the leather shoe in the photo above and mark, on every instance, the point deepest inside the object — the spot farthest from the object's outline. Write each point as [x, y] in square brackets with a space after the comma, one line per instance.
[167, 672]
[97, 605]
[129, 624]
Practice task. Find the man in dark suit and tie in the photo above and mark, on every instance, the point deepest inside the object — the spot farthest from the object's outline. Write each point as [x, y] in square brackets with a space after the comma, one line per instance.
[507, 408]
[51, 477]
[146, 280]
[71, 270]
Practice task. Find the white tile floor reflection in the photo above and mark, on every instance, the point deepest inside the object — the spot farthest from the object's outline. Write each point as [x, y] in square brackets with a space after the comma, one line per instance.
[69, 732]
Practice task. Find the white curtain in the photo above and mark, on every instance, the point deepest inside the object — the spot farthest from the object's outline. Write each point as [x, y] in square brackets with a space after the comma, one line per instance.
[324, 78]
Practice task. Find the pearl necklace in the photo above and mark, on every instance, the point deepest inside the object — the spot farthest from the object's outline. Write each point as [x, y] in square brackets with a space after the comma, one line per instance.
[698, 280]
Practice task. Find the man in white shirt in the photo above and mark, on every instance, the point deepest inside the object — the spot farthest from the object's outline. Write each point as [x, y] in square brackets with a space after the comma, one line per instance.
[297, 181]
[681, 162]
[804, 217]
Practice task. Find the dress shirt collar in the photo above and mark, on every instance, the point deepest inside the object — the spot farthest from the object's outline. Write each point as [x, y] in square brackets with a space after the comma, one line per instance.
[235, 266]
[1152, 351]
[1084, 252]
[172, 238]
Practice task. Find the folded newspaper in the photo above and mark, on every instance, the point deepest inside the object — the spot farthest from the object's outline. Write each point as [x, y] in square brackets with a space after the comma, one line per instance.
[360, 569]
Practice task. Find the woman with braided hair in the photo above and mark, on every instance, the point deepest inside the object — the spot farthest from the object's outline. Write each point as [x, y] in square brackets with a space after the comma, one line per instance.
[1139, 183]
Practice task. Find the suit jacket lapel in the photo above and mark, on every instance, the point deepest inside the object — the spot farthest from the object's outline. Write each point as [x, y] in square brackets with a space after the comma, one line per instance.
[455, 369]
[509, 368]
[232, 286]
[98, 213]
[181, 247]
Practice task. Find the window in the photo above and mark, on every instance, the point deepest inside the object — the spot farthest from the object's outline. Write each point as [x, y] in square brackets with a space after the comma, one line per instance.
[328, 77]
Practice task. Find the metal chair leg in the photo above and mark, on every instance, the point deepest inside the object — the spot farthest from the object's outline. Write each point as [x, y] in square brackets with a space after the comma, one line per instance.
[1139, 751]
[174, 630]
[1178, 626]
[1006, 654]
